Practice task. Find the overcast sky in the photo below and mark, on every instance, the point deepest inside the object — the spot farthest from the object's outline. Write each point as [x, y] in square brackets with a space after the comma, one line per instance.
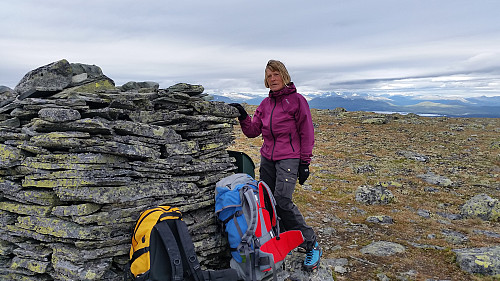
[424, 47]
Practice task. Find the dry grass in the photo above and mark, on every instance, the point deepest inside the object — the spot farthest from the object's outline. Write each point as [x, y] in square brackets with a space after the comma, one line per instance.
[462, 150]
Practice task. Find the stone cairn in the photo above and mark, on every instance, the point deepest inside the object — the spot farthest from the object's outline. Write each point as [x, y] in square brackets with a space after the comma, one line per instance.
[80, 159]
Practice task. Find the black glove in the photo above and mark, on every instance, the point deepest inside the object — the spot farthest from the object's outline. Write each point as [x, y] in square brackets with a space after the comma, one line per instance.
[243, 113]
[303, 172]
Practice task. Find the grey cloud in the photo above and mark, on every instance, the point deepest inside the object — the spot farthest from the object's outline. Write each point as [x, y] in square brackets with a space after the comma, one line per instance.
[225, 44]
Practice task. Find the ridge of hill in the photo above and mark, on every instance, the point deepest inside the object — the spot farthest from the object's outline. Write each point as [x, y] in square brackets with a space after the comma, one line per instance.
[483, 107]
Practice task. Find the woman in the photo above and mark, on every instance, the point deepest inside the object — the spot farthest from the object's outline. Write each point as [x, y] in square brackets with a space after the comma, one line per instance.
[284, 120]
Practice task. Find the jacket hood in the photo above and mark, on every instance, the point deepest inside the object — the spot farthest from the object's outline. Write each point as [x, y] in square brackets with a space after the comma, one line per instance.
[288, 89]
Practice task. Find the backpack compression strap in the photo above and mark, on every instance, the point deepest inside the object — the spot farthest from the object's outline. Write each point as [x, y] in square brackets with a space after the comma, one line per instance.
[227, 274]
[172, 249]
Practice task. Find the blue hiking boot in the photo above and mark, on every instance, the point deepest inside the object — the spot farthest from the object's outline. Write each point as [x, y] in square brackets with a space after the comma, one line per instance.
[312, 258]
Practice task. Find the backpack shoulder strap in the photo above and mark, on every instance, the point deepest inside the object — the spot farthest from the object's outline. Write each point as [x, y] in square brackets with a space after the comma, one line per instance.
[248, 195]
[187, 248]
[263, 186]
[170, 244]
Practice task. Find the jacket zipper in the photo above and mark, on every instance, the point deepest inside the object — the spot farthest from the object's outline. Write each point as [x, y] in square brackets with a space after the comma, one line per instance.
[271, 129]
[290, 135]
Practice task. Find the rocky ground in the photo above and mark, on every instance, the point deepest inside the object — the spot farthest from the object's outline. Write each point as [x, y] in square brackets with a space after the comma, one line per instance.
[390, 195]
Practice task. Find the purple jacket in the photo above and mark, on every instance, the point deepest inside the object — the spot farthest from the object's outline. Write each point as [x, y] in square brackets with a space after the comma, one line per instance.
[285, 122]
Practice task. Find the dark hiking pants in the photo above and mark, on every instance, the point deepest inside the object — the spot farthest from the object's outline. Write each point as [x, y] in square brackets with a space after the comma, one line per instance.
[281, 177]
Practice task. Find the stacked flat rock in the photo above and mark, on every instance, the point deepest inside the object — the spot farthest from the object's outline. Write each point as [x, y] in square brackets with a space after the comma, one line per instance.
[80, 160]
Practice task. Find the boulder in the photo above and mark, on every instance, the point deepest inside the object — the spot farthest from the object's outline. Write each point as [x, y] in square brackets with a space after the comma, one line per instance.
[85, 73]
[383, 249]
[7, 95]
[482, 206]
[413, 156]
[190, 90]
[59, 115]
[436, 179]
[454, 237]
[46, 80]
[140, 86]
[484, 261]
[380, 219]
[377, 195]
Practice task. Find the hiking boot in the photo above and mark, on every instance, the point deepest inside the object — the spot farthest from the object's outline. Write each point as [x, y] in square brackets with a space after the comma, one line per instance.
[312, 258]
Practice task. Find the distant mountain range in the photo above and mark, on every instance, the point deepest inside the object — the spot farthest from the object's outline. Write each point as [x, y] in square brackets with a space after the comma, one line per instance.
[484, 107]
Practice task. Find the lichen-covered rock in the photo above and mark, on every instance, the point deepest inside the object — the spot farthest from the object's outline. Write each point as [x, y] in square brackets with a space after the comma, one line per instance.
[126, 193]
[375, 121]
[215, 108]
[88, 125]
[6, 95]
[436, 179]
[12, 122]
[377, 195]
[85, 73]
[413, 156]
[8, 186]
[67, 229]
[9, 156]
[30, 264]
[59, 114]
[146, 130]
[96, 86]
[454, 237]
[380, 219]
[383, 248]
[33, 250]
[76, 210]
[185, 88]
[6, 248]
[39, 197]
[137, 86]
[482, 206]
[79, 255]
[25, 209]
[292, 269]
[45, 80]
[480, 260]
[87, 271]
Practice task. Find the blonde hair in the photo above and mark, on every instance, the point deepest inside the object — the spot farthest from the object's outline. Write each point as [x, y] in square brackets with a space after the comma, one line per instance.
[276, 65]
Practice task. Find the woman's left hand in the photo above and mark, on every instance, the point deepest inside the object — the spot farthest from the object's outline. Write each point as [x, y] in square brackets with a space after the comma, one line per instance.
[303, 173]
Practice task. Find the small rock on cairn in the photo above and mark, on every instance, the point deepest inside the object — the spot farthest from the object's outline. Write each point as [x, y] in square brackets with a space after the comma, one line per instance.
[81, 158]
